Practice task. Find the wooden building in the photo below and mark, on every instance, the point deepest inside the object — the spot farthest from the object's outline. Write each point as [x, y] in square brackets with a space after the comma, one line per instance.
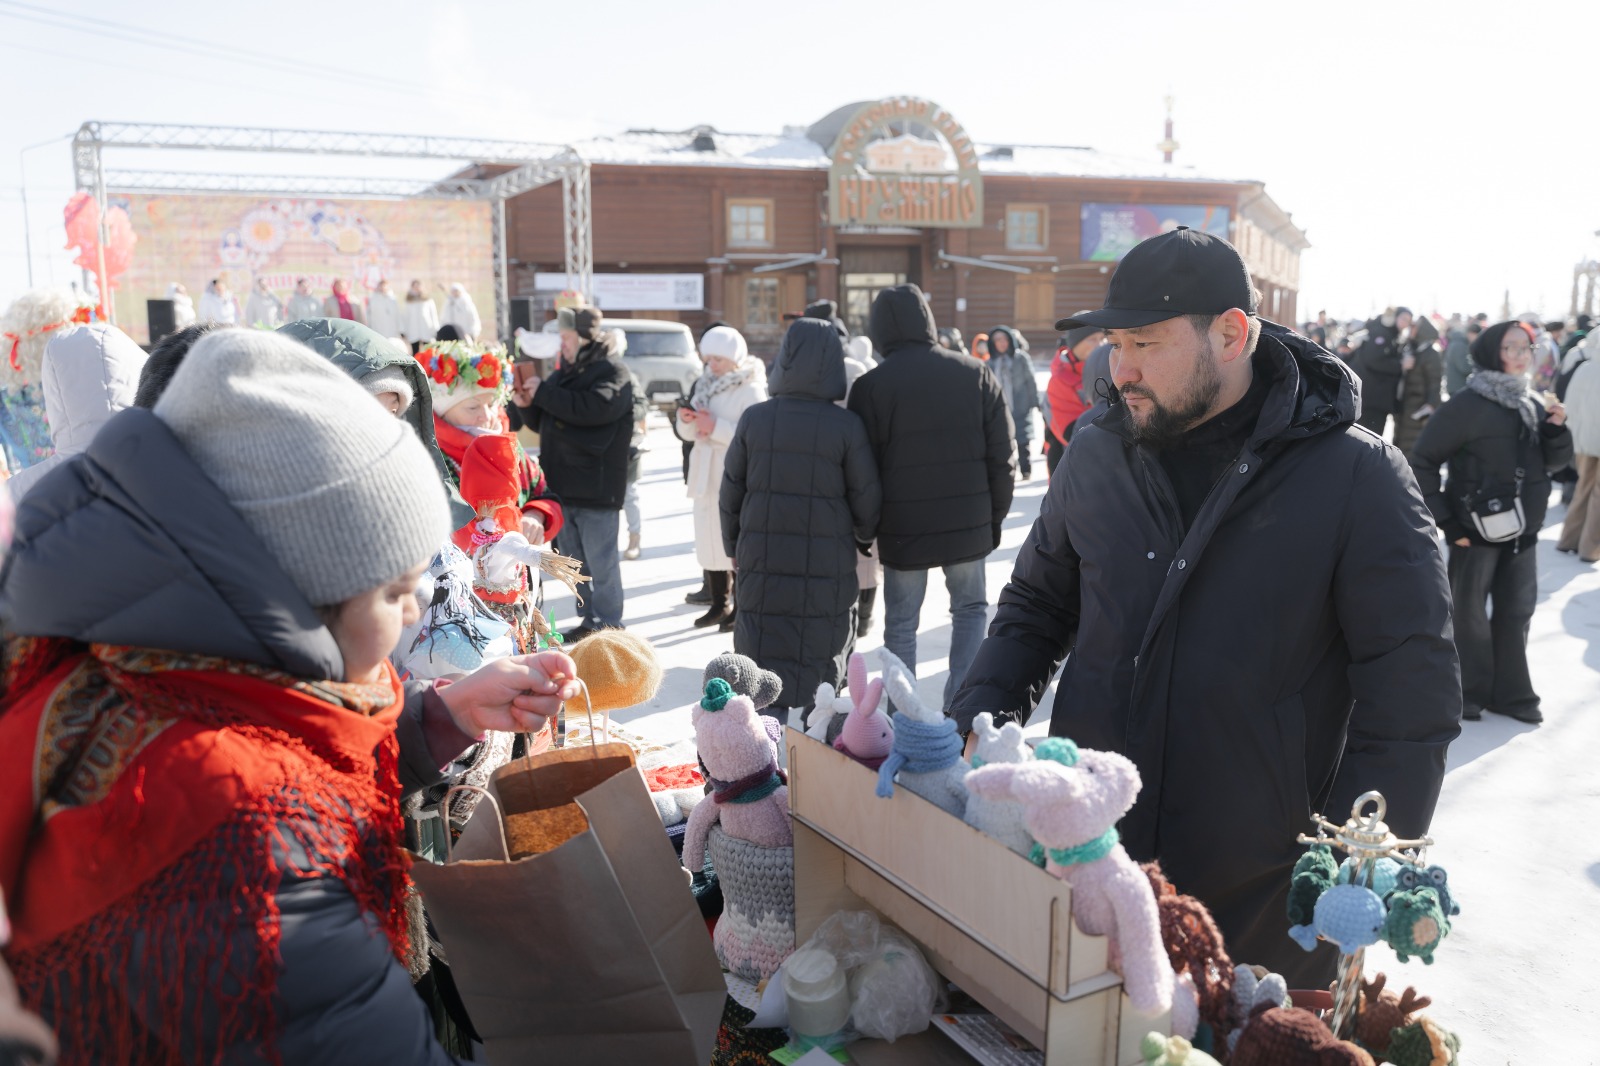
[702, 226]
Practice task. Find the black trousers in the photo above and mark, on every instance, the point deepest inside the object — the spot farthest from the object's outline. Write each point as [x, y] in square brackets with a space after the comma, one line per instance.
[1494, 647]
[1053, 451]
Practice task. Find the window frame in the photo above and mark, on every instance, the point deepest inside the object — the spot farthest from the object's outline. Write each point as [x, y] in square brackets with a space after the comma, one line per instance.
[771, 226]
[776, 285]
[1043, 211]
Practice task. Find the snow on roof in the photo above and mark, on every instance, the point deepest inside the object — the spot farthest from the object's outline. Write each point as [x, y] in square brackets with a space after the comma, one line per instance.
[793, 150]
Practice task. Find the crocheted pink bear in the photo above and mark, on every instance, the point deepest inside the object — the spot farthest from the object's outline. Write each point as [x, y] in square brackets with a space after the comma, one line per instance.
[1071, 801]
[868, 733]
[749, 796]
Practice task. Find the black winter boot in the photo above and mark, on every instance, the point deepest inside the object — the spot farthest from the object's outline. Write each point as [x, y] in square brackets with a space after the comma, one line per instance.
[719, 582]
[864, 604]
[701, 596]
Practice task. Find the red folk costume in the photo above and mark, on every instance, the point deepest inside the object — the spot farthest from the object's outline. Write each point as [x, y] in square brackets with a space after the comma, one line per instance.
[141, 790]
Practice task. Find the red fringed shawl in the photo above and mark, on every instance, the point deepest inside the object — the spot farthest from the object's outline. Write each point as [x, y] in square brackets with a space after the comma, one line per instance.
[142, 795]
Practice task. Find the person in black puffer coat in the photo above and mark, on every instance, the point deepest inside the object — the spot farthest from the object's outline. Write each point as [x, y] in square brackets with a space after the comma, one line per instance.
[938, 425]
[799, 493]
[583, 413]
[1378, 363]
[1496, 436]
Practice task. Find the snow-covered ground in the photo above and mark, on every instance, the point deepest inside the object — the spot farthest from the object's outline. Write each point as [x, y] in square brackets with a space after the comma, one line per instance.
[1518, 825]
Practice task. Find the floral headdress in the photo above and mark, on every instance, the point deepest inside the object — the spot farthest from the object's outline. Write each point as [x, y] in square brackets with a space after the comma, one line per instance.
[458, 371]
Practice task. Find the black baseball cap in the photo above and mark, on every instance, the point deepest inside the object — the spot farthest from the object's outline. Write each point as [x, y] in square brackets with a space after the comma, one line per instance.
[1181, 272]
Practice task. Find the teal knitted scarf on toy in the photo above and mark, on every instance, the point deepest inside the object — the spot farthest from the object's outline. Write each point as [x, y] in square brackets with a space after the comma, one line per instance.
[1094, 850]
[919, 748]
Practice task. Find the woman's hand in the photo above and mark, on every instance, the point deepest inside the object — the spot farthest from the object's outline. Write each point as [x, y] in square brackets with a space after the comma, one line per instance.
[532, 528]
[515, 695]
[1557, 413]
[704, 426]
[1462, 543]
[686, 415]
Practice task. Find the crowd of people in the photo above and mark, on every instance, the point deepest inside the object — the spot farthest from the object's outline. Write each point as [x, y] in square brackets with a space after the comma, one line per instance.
[414, 318]
[271, 585]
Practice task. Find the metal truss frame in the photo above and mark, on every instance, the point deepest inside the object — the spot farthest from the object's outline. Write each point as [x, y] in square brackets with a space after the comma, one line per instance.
[534, 165]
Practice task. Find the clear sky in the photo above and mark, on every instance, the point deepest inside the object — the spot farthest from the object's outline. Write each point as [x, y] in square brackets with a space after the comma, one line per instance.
[1432, 151]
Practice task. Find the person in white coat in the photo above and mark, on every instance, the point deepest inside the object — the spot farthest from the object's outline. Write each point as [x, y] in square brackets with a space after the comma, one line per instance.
[858, 359]
[462, 313]
[263, 309]
[89, 373]
[182, 306]
[218, 304]
[733, 381]
[419, 318]
[1580, 533]
[304, 303]
[383, 311]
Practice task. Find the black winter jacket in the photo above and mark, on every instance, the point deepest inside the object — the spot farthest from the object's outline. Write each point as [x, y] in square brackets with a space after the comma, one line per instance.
[1290, 651]
[1485, 445]
[1377, 362]
[942, 437]
[131, 543]
[799, 491]
[583, 414]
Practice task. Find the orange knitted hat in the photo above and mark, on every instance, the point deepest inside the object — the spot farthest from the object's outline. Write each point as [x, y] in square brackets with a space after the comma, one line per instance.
[620, 669]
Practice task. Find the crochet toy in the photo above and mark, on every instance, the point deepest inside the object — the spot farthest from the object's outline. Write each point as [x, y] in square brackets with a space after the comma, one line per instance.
[1071, 802]
[1385, 874]
[755, 932]
[1001, 819]
[1382, 1012]
[927, 748]
[1161, 1050]
[1314, 873]
[1349, 916]
[1289, 1036]
[1424, 1043]
[456, 632]
[1415, 924]
[1198, 957]
[1432, 878]
[746, 678]
[1253, 987]
[868, 733]
[749, 794]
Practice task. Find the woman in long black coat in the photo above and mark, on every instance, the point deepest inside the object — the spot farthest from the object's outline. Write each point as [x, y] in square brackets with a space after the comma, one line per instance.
[799, 492]
[1498, 438]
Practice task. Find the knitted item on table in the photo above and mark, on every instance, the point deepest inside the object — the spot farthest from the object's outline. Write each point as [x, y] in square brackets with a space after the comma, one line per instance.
[927, 748]
[1071, 798]
[734, 747]
[1348, 916]
[1000, 819]
[756, 931]
[867, 735]
[1424, 1043]
[1198, 957]
[1289, 1036]
[1250, 991]
[620, 668]
[745, 677]
[1159, 1050]
[1381, 1012]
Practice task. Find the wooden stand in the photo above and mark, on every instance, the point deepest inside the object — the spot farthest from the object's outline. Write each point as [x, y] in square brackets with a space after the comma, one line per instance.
[987, 918]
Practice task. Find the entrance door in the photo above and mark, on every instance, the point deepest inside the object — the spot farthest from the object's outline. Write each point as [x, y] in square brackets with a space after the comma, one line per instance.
[863, 272]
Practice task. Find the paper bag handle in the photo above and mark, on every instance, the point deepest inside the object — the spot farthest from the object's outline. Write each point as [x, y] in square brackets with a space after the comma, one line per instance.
[505, 845]
[561, 730]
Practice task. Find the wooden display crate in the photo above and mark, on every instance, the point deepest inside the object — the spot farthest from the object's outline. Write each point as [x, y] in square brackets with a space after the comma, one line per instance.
[989, 920]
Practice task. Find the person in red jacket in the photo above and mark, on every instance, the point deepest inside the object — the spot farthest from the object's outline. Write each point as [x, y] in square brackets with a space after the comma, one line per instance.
[1065, 399]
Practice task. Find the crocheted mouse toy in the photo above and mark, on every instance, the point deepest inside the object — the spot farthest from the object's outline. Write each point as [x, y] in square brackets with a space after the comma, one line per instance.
[1001, 819]
[927, 748]
[1071, 802]
[1289, 1036]
[868, 733]
[748, 791]
[1381, 1012]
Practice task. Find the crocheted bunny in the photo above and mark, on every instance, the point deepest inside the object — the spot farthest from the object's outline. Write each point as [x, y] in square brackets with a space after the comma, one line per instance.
[1250, 992]
[927, 748]
[829, 707]
[1001, 819]
[749, 796]
[868, 733]
[1071, 802]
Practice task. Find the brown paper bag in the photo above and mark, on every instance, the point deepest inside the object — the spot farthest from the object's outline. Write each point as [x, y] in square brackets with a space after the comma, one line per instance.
[593, 952]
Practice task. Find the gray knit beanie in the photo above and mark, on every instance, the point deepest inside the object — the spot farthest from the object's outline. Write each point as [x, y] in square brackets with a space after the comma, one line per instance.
[341, 492]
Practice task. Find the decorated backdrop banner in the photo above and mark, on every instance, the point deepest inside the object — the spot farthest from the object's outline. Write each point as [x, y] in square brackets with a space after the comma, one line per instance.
[192, 239]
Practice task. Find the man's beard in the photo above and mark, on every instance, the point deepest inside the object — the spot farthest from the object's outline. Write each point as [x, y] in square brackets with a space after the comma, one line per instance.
[1164, 425]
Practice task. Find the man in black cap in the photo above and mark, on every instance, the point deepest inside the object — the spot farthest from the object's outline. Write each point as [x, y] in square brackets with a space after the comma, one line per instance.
[1251, 589]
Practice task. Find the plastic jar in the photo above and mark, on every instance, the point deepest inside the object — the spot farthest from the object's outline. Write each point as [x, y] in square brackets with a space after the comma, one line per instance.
[817, 993]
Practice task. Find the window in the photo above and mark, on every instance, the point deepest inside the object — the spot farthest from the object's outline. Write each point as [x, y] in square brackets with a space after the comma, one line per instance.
[1027, 227]
[1036, 297]
[749, 223]
[761, 302]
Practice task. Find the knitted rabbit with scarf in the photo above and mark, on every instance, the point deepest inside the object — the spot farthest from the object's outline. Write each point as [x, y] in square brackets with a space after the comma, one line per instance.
[927, 748]
[1000, 819]
[749, 796]
[1071, 802]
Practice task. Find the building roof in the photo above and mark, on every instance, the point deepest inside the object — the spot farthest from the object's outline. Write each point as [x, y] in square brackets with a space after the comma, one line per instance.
[795, 150]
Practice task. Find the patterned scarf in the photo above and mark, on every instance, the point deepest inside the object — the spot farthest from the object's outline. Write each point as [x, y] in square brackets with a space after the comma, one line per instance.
[151, 803]
[708, 384]
[1509, 391]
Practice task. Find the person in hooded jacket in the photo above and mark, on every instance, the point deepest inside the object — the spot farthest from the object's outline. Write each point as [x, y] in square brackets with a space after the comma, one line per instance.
[1458, 355]
[461, 312]
[1251, 591]
[1067, 393]
[940, 432]
[583, 413]
[419, 318]
[383, 310]
[1378, 363]
[799, 493]
[1501, 443]
[1420, 389]
[90, 373]
[199, 700]
[263, 310]
[1011, 364]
